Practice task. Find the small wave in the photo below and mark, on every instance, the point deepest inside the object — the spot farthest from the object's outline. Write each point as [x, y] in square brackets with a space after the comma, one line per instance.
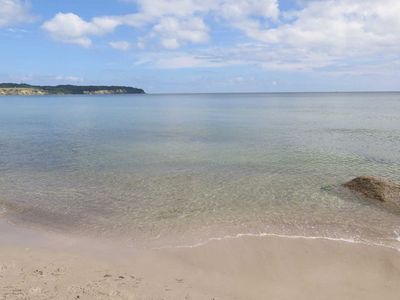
[3, 210]
[397, 233]
[264, 234]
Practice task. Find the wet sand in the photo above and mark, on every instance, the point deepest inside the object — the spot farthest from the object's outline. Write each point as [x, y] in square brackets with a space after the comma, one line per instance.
[37, 265]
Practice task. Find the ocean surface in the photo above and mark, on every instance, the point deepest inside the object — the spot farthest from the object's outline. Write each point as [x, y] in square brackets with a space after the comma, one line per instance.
[158, 170]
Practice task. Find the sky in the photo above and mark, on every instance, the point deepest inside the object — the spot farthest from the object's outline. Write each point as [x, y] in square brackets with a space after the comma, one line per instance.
[185, 46]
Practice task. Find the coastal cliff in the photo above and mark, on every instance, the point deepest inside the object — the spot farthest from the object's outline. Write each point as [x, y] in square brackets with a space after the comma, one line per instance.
[12, 89]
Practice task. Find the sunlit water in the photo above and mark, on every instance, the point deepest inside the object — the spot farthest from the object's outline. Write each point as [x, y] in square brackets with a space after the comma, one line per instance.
[162, 169]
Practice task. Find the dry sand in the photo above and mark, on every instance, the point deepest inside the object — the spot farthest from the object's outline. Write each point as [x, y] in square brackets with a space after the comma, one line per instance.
[34, 265]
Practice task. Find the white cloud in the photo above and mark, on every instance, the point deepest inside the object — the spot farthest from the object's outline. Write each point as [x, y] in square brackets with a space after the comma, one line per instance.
[120, 45]
[173, 22]
[181, 60]
[70, 28]
[13, 12]
[243, 9]
[177, 22]
[173, 32]
[320, 34]
[279, 60]
[339, 26]
[324, 33]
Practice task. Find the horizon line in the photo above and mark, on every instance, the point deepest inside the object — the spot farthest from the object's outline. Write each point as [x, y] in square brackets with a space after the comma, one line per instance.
[277, 92]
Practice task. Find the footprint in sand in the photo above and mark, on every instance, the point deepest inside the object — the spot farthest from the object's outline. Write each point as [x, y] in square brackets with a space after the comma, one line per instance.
[38, 272]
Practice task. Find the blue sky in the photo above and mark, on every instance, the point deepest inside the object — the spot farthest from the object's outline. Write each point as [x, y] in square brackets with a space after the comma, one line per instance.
[203, 45]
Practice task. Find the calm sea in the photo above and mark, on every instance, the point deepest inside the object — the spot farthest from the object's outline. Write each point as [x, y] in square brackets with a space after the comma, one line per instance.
[162, 169]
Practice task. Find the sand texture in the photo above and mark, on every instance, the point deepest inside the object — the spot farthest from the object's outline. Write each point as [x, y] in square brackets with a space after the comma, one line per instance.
[244, 268]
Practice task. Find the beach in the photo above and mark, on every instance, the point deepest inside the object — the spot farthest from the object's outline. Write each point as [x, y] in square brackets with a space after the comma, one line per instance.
[212, 196]
[216, 150]
[38, 265]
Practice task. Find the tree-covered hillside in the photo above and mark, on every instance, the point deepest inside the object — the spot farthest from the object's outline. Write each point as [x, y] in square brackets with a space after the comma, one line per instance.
[13, 88]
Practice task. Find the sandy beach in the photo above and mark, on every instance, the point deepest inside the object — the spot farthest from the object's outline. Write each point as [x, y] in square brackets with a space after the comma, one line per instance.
[200, 150]
[38, 265]
[95, 191]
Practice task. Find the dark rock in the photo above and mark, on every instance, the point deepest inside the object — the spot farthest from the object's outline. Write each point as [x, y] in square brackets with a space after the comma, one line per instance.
[376, 188]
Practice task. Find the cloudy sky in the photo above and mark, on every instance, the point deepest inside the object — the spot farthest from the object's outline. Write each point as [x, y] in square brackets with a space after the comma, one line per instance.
[203, 45]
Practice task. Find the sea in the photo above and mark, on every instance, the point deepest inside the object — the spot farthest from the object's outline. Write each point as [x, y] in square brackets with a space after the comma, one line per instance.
[176, 170]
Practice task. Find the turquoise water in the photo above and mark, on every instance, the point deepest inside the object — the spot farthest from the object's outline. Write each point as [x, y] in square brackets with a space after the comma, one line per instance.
[162, 168]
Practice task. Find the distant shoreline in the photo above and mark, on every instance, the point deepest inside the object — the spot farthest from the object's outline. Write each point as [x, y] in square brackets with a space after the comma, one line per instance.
[13, 89]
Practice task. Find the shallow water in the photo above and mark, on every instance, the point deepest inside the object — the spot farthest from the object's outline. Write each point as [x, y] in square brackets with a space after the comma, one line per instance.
[160, 169]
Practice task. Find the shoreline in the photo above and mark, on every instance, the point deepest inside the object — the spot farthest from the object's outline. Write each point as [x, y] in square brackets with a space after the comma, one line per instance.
[197, 238]
[39, 265]
[277, 235]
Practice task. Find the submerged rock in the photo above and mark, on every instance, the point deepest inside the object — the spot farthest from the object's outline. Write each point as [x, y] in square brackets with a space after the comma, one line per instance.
[376, 188]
